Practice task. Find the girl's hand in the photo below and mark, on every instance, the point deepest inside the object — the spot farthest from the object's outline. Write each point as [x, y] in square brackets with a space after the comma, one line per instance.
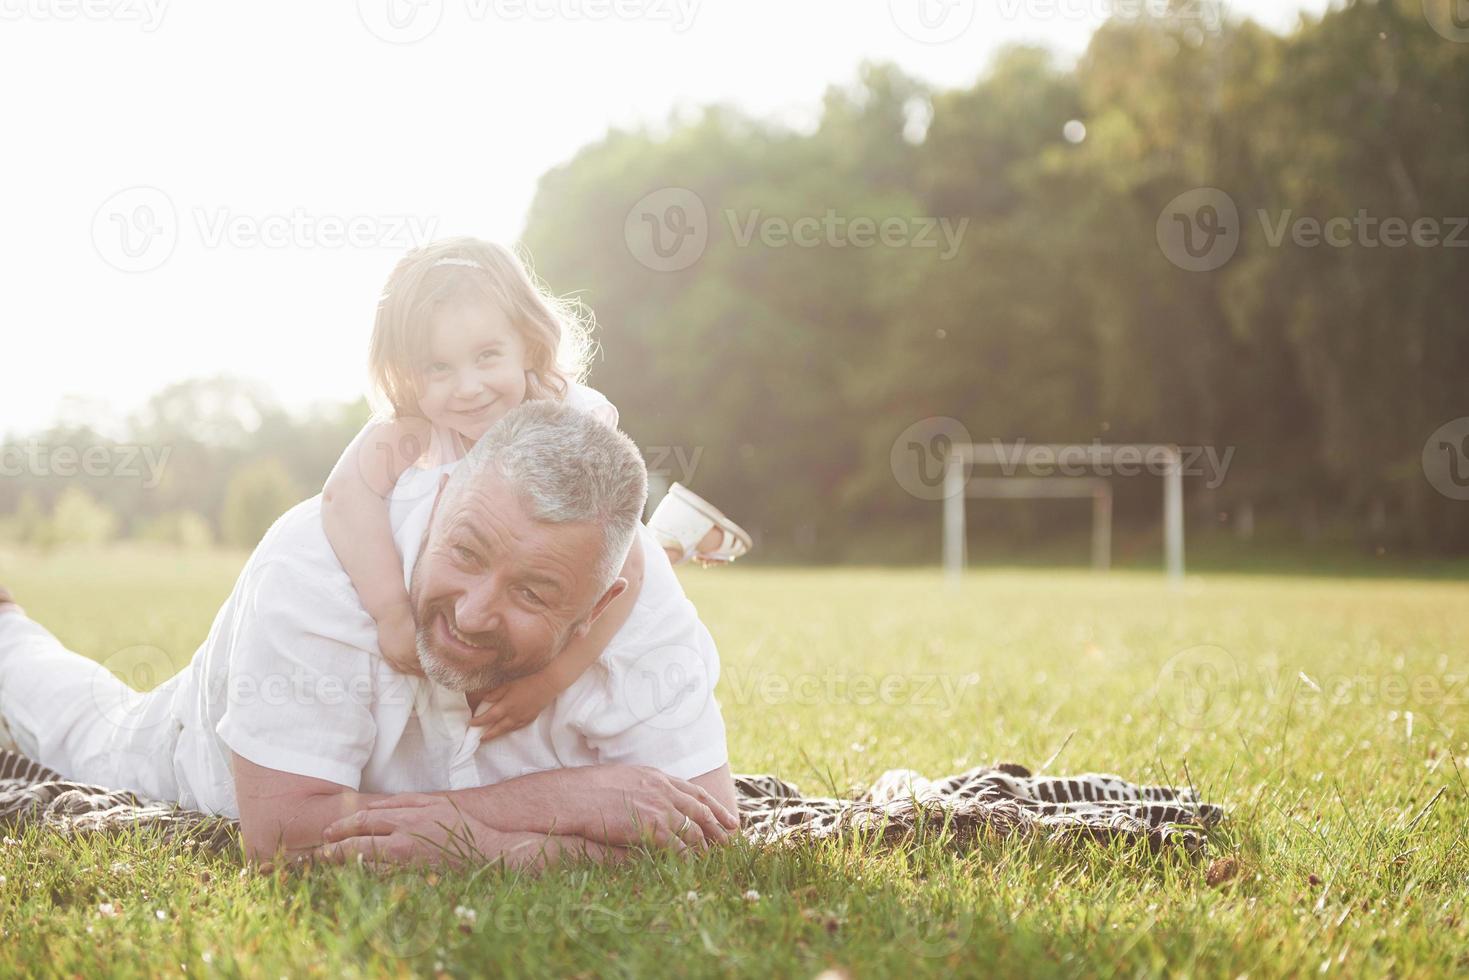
[514, 705]
[397, 639]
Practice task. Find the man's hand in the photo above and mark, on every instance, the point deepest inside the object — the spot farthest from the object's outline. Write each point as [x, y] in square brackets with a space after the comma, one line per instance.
[627, 805]
[414, 828]
[424, 828]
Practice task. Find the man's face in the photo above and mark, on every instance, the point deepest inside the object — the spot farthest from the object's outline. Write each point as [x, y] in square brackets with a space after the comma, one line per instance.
[497, 594]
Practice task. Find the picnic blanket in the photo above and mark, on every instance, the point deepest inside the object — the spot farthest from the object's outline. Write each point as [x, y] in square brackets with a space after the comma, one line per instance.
[987, 802]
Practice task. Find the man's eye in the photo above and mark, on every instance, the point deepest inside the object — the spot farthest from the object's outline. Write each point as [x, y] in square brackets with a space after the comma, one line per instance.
[464, 554]
[532, 598]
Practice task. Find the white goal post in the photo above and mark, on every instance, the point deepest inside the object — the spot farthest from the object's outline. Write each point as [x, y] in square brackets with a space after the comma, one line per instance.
[959, 486]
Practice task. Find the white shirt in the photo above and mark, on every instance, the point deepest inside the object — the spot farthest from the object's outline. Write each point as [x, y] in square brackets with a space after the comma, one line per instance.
[290, 677]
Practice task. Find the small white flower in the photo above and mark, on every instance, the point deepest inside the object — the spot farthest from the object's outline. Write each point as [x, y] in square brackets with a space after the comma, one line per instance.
[752, 896]
[107, 910]
[160, 915]
[207, 957]
[465, 914]
[691, 896]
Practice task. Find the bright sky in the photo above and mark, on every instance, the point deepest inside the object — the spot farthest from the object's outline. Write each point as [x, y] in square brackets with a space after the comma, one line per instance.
[178, 178]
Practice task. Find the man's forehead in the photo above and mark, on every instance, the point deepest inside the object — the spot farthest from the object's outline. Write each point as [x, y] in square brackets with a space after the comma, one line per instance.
[491, 513]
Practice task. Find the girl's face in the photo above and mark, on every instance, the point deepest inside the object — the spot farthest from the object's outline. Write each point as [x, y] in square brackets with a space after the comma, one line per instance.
[475, 370]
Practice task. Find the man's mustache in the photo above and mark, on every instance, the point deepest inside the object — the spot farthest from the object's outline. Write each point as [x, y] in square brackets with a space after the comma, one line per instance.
[492, 641]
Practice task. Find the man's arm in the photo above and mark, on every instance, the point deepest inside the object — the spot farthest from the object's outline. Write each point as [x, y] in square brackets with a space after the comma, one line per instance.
[286, 814]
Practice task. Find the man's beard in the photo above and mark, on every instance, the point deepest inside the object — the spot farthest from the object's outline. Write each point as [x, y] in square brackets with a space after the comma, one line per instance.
[455, 678]
[505, 664]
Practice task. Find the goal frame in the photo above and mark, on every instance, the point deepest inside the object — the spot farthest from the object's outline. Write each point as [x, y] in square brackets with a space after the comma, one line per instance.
[960, 485]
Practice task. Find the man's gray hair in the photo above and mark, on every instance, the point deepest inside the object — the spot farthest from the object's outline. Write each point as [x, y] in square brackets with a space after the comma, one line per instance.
[568, 468]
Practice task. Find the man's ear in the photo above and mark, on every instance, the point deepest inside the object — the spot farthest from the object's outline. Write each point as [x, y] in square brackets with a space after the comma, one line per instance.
[617, 588]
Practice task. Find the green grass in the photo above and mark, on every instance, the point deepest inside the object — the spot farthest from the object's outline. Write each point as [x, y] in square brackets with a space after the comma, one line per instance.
[1348, 806]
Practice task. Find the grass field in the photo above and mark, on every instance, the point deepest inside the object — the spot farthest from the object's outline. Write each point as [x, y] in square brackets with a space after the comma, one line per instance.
[1328, 716]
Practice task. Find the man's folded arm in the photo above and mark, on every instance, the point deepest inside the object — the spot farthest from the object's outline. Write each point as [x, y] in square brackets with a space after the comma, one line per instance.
[287, 814]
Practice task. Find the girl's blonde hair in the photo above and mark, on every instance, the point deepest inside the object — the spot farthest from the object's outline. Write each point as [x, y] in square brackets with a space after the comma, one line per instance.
[556, 330]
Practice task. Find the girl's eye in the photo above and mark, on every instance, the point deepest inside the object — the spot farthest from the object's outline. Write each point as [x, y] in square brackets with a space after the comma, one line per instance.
[438, 367]
[489, 353]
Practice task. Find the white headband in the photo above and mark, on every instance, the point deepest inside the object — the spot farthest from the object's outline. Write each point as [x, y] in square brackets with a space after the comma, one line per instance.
[467, 263]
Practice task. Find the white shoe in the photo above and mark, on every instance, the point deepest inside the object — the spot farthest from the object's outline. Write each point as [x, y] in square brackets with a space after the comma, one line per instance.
[682, 520]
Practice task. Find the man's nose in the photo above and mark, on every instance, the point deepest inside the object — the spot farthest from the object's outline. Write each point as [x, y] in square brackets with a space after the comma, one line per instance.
[479, 610]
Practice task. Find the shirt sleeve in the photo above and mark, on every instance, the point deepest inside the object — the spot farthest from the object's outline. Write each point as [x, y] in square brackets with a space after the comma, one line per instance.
[300, 700]
[656, 707]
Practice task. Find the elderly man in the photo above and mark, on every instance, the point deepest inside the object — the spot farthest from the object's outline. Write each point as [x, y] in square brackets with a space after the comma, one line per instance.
[290, 719]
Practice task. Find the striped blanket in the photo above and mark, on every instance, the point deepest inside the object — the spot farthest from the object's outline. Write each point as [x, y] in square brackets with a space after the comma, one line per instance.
[988, 802]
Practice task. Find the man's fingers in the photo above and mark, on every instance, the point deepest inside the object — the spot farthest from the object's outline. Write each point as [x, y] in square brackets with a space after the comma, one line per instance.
[372, 850]
[700, 818]
[730, 820]
[363, 823]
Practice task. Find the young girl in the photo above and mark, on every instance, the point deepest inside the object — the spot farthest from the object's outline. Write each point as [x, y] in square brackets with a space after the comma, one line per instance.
[463, 335]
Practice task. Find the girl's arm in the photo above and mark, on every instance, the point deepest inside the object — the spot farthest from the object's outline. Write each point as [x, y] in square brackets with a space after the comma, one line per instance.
[354, 514]
[516, 704]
